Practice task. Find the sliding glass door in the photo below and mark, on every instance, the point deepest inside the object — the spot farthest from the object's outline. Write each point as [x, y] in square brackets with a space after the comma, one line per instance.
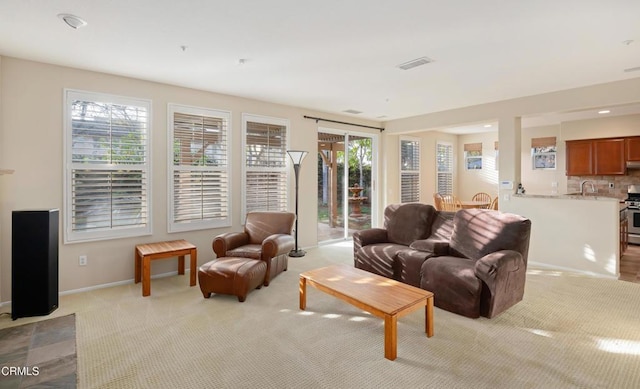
[346, 183]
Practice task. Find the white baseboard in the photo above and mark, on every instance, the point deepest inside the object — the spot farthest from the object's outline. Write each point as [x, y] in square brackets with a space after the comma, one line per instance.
[107, 285]
[570, 270]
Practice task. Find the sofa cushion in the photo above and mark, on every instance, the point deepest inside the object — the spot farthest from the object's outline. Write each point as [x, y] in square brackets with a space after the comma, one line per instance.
[433, 246]
[408, 222]
[408, 265]
[378, 258]
[454, 284]
[478, 232]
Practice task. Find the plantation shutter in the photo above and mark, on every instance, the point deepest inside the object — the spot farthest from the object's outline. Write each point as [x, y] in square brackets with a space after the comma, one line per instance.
[265, 167]
[200, 169]
[444, 162]
[108, 167]
[409, 170]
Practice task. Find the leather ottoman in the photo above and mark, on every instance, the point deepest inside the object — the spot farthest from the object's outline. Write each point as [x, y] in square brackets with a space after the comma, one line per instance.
[231, 275]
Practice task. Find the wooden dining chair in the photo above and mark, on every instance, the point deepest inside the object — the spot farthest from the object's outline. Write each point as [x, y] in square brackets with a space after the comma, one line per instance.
[437, 201]
[451, 203]
[481, 196]
[494, 204]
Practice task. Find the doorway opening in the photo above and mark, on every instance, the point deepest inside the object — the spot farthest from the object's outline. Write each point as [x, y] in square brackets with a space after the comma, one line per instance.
[346, 184]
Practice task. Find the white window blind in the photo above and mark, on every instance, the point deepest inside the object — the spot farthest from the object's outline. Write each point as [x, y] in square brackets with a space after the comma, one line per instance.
[265, 156]
[200, 168]
[444, 162]
[409, 170]
[107, 181]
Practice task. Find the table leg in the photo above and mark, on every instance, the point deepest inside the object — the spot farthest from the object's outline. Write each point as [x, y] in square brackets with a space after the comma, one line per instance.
[194, 263]
[138, 265]
[303, 293]
[181, 264]
[428, 317]
[390, 337]
[146, 276]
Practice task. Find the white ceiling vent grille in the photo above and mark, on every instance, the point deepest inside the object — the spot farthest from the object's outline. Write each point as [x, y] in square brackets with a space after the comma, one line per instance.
[415, 63]
[353, 111]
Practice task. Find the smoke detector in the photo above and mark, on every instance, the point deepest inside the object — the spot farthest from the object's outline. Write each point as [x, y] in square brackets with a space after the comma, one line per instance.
[72, 21]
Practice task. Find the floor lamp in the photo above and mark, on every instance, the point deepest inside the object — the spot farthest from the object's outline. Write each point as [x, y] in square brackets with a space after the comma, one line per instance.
[296, 156]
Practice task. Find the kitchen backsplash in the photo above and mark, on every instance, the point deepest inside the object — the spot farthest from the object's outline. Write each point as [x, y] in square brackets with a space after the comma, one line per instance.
[601, 183]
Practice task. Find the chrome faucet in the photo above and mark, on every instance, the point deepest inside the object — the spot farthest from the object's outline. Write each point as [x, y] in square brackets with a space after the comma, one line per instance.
[593, 188]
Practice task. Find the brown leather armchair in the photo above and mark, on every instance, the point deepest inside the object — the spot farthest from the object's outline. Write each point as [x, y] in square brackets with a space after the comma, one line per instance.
[266, 236]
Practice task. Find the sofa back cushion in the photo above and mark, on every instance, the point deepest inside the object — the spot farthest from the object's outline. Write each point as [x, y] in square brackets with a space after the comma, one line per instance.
[478, 232]
[408, 222]
[259, 225]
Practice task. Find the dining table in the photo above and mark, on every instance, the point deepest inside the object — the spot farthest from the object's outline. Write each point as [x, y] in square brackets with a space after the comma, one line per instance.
[466, 204]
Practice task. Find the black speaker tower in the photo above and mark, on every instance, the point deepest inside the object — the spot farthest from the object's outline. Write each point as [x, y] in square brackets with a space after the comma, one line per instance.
[34, 263]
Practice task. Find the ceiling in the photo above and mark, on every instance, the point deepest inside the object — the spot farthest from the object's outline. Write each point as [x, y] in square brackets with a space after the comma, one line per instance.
[334, 56]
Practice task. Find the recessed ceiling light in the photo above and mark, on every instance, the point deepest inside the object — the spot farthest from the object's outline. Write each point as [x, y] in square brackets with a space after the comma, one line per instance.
[604, 111]
[353, 111]
[414, 63]
[632, 69]
[487, 125]
[242, 61]
[72, 21]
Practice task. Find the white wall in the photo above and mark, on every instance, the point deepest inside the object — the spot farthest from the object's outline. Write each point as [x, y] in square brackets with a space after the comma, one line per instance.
[485, 180]
[31, 143]
[541, 181]
[565, 237]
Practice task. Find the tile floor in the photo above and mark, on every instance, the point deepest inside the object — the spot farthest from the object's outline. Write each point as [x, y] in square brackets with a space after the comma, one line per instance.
[48, 345]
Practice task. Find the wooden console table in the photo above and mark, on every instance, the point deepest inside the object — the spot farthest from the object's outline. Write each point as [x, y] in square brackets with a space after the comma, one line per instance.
[162, 250]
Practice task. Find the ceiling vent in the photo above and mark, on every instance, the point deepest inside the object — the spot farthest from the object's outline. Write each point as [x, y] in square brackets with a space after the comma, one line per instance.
[353, 111]
[415, 63]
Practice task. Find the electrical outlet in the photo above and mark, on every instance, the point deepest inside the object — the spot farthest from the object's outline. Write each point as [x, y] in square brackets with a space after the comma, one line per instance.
[611, 185]
[82, 260]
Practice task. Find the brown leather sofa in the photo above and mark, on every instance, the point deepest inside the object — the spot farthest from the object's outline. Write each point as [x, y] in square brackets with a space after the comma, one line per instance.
[266, 236]
[473, 260]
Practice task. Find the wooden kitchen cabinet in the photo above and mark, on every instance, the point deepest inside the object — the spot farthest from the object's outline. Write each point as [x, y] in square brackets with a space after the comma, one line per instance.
[609, 156]
[580, 158]
[633, 148]
[590, 157]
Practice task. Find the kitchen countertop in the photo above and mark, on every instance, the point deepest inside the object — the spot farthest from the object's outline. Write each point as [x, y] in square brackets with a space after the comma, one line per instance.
[567, 196]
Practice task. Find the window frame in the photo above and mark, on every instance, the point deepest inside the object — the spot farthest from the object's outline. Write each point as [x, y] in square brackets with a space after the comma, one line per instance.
[550, 155]
[409, 172]
[71, 236]
[471, 152]
[286, 169]
[202, 224]
[450, 172]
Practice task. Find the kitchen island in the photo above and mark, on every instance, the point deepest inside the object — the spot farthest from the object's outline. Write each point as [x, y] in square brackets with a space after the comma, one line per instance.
[571, 232]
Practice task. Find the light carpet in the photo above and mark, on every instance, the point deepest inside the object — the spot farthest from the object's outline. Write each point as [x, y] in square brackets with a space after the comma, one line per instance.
[570, 331]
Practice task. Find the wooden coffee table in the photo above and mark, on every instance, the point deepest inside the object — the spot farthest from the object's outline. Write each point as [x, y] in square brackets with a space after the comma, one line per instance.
[161, 250]
[380, 296]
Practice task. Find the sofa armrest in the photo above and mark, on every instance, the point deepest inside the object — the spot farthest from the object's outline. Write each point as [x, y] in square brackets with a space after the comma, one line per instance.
[369, 236]
[228, 241]
[495, 269]
[277, 244]
[436, 246]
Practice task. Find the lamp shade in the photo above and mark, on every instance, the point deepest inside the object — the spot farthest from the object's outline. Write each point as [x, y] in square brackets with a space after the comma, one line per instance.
[297, 156]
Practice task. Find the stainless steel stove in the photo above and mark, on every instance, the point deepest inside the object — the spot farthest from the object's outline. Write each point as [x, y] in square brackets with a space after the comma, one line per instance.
[633, 213]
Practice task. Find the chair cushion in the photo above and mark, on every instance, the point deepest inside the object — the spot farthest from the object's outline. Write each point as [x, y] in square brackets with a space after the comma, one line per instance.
[260, 225]
[253, 251]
